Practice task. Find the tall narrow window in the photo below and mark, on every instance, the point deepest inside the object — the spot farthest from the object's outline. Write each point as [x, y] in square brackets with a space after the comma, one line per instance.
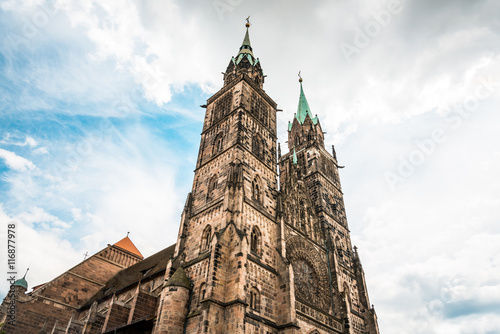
[218, 144]
[256, 191]
[257, 146]
[340, 249]
[205, 239]
[254, 299]
[255, 241]
[203, 290]
[212, 185]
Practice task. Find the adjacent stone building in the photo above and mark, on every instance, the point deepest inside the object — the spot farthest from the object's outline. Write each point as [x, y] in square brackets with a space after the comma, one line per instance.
[253, 255]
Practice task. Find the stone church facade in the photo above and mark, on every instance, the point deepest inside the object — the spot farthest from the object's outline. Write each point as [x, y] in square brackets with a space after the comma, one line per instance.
[253, 255]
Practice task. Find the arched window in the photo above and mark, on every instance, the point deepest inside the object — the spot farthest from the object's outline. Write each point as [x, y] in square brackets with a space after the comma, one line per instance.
[206, 237]
[257, 146]
[256, 190]
[339, 247]
[263, 114]
[203, 291]
[297, 140]
[254, 301]
[218, 143]
[212, 185]
[255, 243]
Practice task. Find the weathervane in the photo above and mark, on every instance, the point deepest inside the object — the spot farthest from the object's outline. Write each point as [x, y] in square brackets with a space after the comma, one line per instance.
[300, 78]
[248, 22]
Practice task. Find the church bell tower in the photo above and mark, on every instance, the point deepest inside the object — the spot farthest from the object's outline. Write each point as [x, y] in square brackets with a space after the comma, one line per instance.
[329, 283]
[252, 257]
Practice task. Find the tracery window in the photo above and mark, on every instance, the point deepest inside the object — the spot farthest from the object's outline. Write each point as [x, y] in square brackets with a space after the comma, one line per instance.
[257, 146]
[223, 106]
[254, 301]
[203, 290]
[205, 239]
[218, 143]
[256, 190]
[212, 185]
[259, 109]
[340, 248]
[255, 243]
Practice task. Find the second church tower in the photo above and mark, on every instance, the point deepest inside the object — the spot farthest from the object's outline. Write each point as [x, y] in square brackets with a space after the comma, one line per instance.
[252, 257]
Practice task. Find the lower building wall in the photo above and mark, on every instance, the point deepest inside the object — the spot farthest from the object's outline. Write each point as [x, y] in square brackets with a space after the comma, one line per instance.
[37, 315]
[117, 316]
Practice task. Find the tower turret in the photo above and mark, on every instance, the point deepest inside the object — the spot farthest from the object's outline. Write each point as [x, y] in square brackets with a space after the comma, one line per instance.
[175, 303]
[327, 271]
[21, 285]
[244, 63]
[305, 127]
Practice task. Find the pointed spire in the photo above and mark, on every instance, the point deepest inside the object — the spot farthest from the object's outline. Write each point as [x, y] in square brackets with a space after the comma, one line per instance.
[179, 278]
[303, 108]
[246, 47]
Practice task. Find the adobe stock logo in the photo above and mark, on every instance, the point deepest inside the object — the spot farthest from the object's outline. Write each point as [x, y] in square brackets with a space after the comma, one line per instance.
[224, 6]
[32, 25]
[425, 148]
[363, 37]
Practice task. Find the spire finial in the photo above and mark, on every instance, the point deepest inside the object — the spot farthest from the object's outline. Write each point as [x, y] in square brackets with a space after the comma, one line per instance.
[26, 273]
[248, 22]
[300, 78]
[128, 233]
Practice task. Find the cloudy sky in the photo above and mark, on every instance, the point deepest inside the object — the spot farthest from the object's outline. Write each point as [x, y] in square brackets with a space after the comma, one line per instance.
[100, 124]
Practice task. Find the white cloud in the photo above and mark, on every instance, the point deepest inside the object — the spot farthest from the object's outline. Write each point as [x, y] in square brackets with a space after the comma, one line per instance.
[39, 217]
[37, 248]
[31, 142]
[10, 139]
[16, 162]
[41, 150]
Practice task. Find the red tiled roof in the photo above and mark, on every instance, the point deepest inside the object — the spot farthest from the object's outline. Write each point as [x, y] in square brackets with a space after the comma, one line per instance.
[128, 245]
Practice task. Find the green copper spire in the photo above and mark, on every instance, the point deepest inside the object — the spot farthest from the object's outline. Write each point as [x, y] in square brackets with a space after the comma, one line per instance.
[22, 281]
[246, 47]
[303, 108]
[246, 50]
[294, 157]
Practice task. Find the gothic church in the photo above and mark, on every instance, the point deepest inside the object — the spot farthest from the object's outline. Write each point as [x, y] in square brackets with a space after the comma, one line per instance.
[253, 255]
